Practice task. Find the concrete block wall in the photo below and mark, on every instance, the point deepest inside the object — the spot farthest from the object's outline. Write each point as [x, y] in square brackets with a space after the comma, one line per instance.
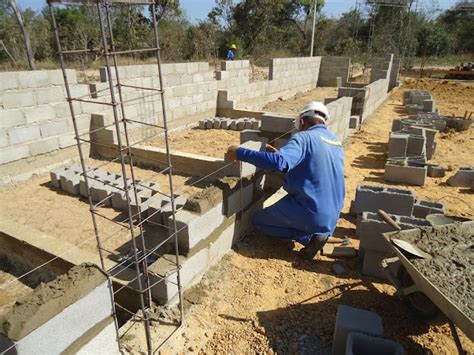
[340, 115]
[287, 75]
[190, 89]
[68, 315]
[332, 68]
[34, 114]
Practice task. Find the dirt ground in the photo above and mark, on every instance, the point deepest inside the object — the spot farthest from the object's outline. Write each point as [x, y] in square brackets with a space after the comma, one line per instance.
[15, 290]
[263, 298]
[67, 217]
[210, 142]
[296, 103]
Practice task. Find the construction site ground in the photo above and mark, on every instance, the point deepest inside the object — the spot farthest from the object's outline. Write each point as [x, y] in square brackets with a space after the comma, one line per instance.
[211, 143]
[263, 297]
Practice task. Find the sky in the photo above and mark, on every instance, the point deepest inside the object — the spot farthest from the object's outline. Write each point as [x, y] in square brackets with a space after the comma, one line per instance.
[198, 9]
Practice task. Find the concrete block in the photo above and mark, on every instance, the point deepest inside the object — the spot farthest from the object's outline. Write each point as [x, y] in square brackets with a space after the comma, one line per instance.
[12, 153]
[11, 118]
[243, 169]
[18, 99]
[463, 177]
[252, 135]
[24, 134]
[412, 175]
[436, 171]
[416, 145]
[349, 319]
[193, 228]
[33, 79]
[38, 113]
[354, 122]
[422, 208]
[370, 228]
[53, 128]
[164, 269]
[248, 124]
[216, 123]
[44, 146]
[70, 183]
[167, 208]
[372, 198]
[49, 95]
[397, 145]
[238, 200]
[429, 105]
[225, 123]
[8, 81]
[414, 109]
[202, 124]
[372, 264]
[358, 343]
[240, 125]
[3, 139]
[272, 122]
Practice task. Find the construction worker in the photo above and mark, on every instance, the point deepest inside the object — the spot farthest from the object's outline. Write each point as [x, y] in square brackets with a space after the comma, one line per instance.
[313, 160]
[231, 52]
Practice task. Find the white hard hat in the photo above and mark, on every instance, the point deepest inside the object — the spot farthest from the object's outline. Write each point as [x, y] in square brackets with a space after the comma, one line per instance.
[316, 110]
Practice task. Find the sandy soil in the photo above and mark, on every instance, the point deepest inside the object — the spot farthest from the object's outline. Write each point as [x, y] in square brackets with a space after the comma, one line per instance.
[67, 217]
[263, 298]
[297, 102]
[15, 290]
[212, 142]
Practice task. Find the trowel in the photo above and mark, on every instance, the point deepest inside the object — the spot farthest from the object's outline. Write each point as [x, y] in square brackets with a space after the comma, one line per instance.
[401, 244]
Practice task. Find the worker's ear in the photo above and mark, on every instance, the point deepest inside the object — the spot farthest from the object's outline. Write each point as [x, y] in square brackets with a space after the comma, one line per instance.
[302, 125]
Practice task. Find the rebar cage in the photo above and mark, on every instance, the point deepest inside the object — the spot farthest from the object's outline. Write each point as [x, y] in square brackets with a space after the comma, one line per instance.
[141, 253]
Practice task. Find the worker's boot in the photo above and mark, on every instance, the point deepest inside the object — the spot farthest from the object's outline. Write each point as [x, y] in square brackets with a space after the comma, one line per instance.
[315, 244]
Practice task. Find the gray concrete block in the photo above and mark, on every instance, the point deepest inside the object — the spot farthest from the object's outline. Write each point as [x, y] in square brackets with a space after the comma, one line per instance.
[38, 113]
[240, 125]
[358, 343]
[202, 124]
[216, 123]
[372, 264]
[397, 145]
[225, 123]
[49, 95]
[370, 228]
[416, 145]
[70, 183]
[252, 135]
[18, 99]
[463, 177]
[429, 105]
[354, 122]
[372, 198]
[412, 175]
[44, 146]
[255, 124]
[238, 200]
[272, 122]
[414, 109]
[12, 153]
[422, 208]
[248, 124]
[246, 168]
[19, 135]
[53, 128]
[436, 171]
[233, 125]
[11, 118]
[349, 319]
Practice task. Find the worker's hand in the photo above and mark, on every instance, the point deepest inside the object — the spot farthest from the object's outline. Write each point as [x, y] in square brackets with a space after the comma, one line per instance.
[232, 153]
[271, 149]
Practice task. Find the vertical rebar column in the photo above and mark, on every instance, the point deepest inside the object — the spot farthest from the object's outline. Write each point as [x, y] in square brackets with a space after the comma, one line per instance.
[146, 321]
[168, 157]
[82, 160]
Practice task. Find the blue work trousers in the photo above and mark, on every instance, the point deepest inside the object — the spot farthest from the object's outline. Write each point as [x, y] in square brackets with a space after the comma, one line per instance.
[289, 220]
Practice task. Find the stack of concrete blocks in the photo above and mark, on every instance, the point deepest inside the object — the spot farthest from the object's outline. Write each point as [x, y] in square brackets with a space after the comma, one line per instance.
[358, 331]
[34, 114]
[72, 314]
[207, 226]
[191, 92]
[464, 177]
[402, 205]
[333, 68]
[409, 146]
[238, 124]
[417, 101]
[107, 189]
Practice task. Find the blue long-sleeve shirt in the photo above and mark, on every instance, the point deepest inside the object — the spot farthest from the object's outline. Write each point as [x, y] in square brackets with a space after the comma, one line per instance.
[230, 54]
[313, 161]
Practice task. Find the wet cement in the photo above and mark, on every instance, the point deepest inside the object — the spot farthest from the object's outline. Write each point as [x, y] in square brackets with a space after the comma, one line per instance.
[49, 299]
[451, 269]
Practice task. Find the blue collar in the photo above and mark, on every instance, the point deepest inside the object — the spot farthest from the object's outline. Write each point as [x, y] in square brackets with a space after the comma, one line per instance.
[321, 125]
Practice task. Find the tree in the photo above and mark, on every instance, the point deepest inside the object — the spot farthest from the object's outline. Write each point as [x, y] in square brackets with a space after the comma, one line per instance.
[26, 37]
